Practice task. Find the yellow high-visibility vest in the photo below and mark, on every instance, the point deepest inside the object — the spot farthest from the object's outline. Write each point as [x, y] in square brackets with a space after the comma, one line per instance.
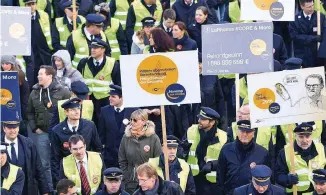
[7, 182]
[141, 12]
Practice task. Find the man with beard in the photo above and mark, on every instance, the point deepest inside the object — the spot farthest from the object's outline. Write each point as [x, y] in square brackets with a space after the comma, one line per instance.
[319, 178]
[308, 156]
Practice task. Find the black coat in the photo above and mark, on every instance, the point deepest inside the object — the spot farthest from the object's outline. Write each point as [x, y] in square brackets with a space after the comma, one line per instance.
[194, 31]
[178, 119]
[104, 192]
[280, 49]
[35, 174]
[186, 14]
[17, 187]
[59, 142]
[111, 134]
[249, 189]
[24, 95]
[164, 188]
[185, 44]
[303, 33]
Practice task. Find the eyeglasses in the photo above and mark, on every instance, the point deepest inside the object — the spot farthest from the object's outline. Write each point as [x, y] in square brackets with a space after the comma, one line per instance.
[312, 86]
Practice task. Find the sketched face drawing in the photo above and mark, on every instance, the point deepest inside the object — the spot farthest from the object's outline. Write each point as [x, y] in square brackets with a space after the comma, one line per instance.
[314, 85]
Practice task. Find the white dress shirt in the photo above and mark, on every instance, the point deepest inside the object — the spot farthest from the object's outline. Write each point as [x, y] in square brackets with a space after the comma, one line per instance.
[100, 61]
[9, 147]
[121, 108]
[85, 164]
[305, 15]
[71, 126]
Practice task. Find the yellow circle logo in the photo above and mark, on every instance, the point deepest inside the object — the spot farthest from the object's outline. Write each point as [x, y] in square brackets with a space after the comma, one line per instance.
[263, 98]
[264, 4]
[257, 46]
[16, 30]
[5, 96]
[156, 73]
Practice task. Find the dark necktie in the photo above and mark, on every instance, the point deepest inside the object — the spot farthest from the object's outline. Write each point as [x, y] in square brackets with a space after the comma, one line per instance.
[13, 154]
[97, 63]
[92, 37]
[118, 110]
[308, 18]
[74, 129]
[33, 17]
[86, 189]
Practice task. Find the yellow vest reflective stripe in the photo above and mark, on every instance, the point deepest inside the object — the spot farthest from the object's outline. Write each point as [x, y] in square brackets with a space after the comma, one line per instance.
[316, 134]
[87, 110]
[243, 88]
[264, 135]
[111, 35]
[212, 153]
[303, 170]
[7, 182]
[22, 62]
[41, 4]
[146, 49]
[121, 12]
[99, 85]
[94, 170]
[227, 76]
[322, 10]
[234, 12]
[63, 30]
[45, 26]
[141, 12]
[81, 46]
[183, 175]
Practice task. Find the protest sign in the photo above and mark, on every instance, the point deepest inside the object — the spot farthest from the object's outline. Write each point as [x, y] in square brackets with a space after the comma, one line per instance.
[160, 79]
[237, 48]
[287, 97]
[271, 10]
[15, 38]
[10, 96]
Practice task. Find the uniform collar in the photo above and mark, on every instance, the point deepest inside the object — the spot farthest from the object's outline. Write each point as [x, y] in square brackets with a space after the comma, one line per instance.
[9, 142]
[121, 108]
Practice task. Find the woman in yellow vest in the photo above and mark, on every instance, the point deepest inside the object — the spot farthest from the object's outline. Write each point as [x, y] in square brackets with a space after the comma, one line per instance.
[308, 156]
[12, 177]
[113, 31]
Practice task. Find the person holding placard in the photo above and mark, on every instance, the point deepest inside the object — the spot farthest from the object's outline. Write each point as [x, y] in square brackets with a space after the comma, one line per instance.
[308, 156]
[237, 158]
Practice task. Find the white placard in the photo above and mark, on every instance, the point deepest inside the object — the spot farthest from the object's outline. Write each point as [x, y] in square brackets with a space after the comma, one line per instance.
[160, 79]
[287, 97]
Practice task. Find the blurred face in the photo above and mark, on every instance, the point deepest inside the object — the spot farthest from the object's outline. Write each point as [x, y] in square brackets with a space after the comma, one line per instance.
[200, 16]
[32, 5]
[150, 2]
[97, 52]
[78, 150]
[71, 191]
[243, 113]
[68, 12]
[137, 124]
[3, 157]
[6, 66]
[245, 136]
[145, 182]
[94, 30]
[313, 87]
[11, 133]
[260, 189]
[147, 30]
[168, 22]
[151, 40]
[320, 188]
[43, 79]
[172, 153]
[188, 1]
[303, 140]
[115, 100]
[58, 63]
[73, 113]
[112, 186]
[308, 8]
[205, 124]
[177, 33]
[200, 67]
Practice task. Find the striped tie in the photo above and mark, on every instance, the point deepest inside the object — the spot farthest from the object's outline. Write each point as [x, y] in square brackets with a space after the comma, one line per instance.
[86, 189]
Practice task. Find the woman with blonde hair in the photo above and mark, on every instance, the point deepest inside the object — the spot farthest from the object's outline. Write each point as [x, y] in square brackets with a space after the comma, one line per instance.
[138, 144]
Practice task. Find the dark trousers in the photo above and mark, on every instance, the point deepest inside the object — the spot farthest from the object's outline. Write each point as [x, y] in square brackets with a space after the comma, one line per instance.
[203, 186]
[227, 85]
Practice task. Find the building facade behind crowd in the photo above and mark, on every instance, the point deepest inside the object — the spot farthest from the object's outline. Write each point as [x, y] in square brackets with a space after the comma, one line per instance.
[76, 136]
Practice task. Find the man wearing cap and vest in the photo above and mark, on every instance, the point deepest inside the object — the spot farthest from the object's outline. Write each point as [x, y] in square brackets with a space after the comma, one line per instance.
[113, 32]
[308, 156]
[179, 170]
[119, 10]
[139, 10]
[260, 183]
[112, 178]
[79, 41]
[319, 178]
[236, 158]
[82, 167]
[203, 145]
[12, 177]
[23, 153]
[43, 5]
[72, 125]
[99, 71]
[63, 26]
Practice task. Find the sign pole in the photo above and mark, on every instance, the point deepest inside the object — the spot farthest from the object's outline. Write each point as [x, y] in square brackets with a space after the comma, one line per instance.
[318, 21]
[74, 15]
[290, 133]
[237, 93]
[165, 149]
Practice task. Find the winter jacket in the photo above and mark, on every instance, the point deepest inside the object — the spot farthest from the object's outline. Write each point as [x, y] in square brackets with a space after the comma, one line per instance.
[185, 44]
[194, 31]
[40, 104]
[132, 150]
[164, 188]
[67, 74]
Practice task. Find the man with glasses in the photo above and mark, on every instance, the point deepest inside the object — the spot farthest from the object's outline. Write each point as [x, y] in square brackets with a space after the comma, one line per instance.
[314, 85]
[66, 187]
[112, 178]
[83, 167]
[72, 125]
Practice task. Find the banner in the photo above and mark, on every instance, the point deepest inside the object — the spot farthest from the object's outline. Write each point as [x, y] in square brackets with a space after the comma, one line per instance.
[271, 10]
[287, 97]
[160, 79]
[237, 48]
[15, 38]
[10, 96]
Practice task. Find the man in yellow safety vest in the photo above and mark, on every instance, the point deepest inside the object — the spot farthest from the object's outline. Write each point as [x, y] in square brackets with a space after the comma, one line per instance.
[119, 10]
